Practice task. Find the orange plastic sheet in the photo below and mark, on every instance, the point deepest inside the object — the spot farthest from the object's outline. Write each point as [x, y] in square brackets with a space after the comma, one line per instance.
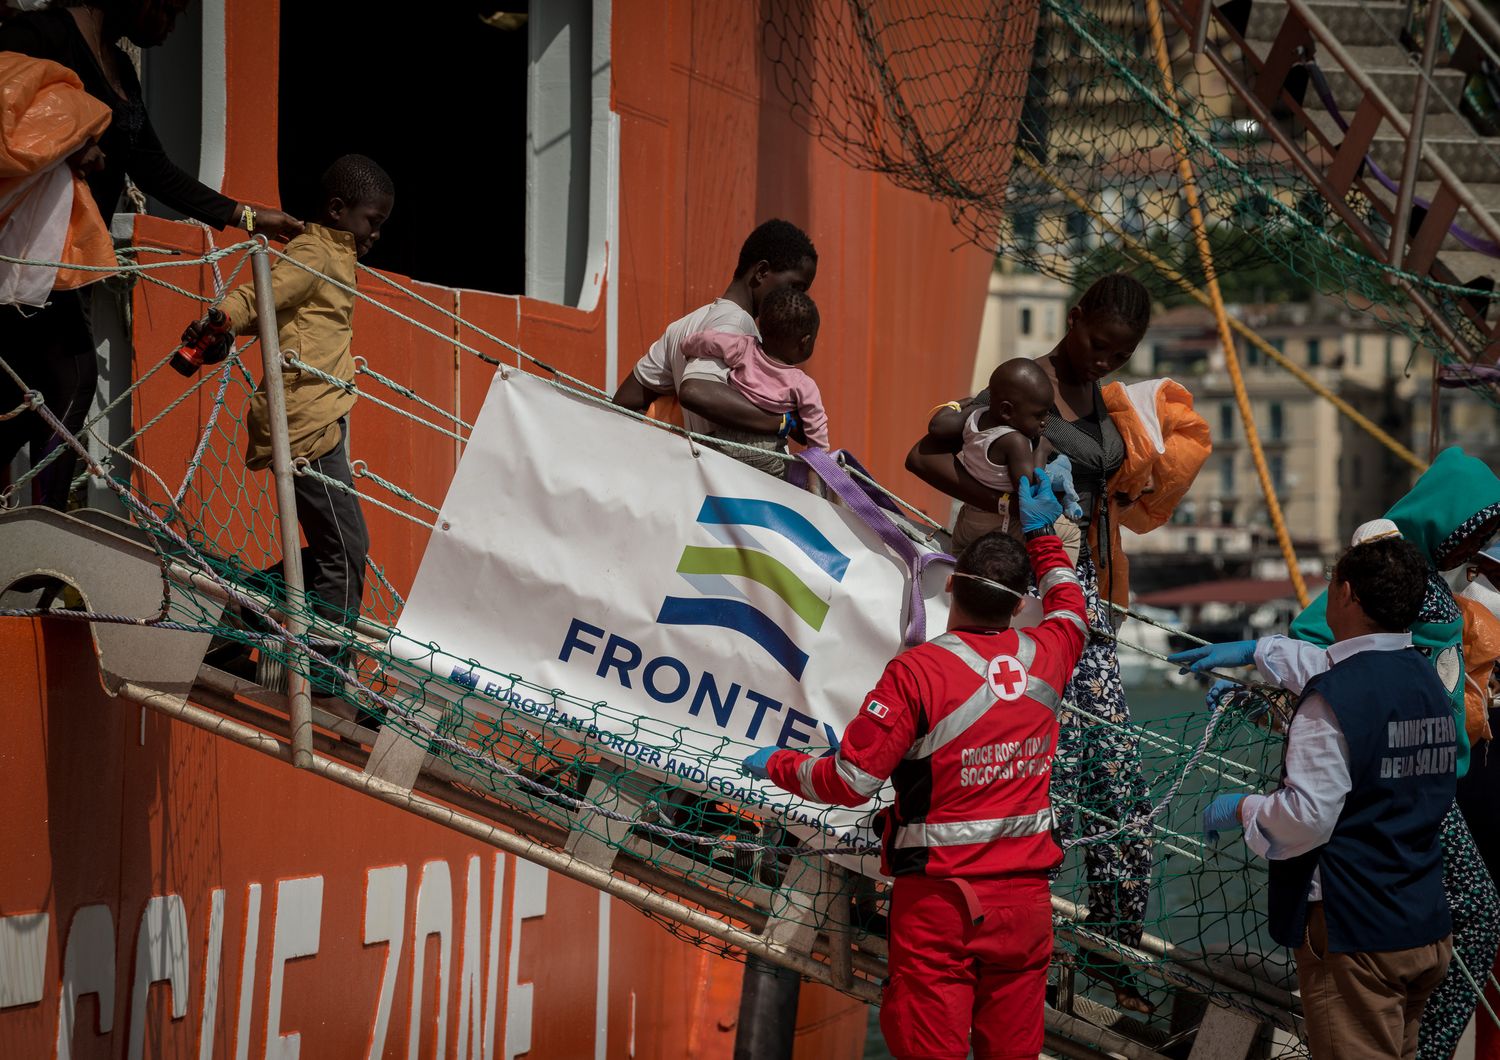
[1481, 647]
[46, 211]
[1166, 445]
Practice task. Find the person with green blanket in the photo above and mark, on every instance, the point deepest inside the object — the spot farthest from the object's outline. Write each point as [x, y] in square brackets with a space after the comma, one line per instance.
[1451, 513]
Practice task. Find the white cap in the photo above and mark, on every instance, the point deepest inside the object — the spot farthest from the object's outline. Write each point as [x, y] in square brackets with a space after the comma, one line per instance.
[1374, 530]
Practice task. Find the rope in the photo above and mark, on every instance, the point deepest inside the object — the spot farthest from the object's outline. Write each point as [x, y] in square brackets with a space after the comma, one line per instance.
[362, 470]
[1221, 316]
[410, 717]
[1252, 336]
[362, 367]
[562, 380]
[127, 268]
[349, 388]
[303, 469]
[1478, 990]
[224, 373]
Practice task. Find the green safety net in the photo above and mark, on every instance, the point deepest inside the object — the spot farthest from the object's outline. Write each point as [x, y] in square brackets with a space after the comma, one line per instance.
[864, 78]
[544, 762]
[1059, 153]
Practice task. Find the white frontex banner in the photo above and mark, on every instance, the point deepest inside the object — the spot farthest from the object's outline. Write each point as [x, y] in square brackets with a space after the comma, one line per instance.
[692, 608]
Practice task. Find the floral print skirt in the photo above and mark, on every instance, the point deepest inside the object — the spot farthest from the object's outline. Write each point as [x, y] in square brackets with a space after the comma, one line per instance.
[1098, 771]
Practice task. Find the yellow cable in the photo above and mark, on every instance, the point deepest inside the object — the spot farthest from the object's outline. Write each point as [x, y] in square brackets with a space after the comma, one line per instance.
[1226, 337]
[1301, 374]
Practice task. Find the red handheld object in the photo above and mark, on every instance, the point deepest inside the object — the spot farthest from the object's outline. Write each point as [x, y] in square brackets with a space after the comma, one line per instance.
[210, 347]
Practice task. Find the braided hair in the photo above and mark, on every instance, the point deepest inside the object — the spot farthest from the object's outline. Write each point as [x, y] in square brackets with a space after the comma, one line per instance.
[1120, 296]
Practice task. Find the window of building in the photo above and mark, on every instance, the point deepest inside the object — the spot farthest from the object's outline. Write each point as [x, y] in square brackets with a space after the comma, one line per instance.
[1024, 224]
[1078, 230]
[1359, 351]
[1277, 424]
[1226, 476]
[1226, 420]
[517, 118]
[1277, 465]
[1025, 321]
[1190, 542]
[1314, 353]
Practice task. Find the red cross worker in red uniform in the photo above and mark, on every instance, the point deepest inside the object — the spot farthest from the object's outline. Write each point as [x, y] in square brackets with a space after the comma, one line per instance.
[965, 727]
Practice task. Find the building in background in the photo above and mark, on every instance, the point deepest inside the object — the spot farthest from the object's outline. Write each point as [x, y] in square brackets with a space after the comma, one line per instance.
[1329, 475]
[1025, 315]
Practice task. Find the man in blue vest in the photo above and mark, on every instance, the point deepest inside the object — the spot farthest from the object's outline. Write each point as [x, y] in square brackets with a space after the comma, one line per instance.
[1352, 833]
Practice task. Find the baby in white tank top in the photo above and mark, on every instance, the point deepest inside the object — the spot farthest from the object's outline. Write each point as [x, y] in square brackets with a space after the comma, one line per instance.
[999, 438]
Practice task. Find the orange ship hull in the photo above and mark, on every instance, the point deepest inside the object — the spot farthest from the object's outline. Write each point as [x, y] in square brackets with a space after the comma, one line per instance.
[163, 891]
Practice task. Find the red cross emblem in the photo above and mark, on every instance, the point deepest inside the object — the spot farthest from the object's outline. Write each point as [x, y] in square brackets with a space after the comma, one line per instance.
[1007, 678]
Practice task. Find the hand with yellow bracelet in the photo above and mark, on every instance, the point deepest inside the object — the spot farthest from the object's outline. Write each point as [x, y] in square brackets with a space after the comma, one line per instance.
[267, 220]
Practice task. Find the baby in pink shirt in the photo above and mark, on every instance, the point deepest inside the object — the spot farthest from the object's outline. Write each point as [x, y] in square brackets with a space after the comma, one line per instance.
[764, 370]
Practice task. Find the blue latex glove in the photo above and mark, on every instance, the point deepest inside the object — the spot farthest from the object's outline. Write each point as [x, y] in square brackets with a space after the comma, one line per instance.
[1060, 471]
[757, 764]
[789, 423]
[1039, 505]
[1217, 689]
[1215, 656]
[1223, 812]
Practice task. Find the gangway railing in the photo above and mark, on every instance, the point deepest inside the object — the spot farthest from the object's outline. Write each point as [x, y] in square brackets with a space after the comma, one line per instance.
[469, 771]
[1335, 169]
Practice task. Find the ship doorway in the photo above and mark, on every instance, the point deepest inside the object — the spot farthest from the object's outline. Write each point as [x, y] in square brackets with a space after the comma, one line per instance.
[435, 93]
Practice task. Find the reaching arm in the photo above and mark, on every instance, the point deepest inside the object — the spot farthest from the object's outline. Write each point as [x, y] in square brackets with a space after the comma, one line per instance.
[1063, 632]
[635, 395]
[1015, 452]
[290, 286]
[933, 461]
[872, 746]
[1289, 663]
[726, 406]
[1300, 815]
[156, 173]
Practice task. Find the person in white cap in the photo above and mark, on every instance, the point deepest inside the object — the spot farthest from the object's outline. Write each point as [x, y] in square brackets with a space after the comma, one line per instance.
[1449, 515]
[1352, 833]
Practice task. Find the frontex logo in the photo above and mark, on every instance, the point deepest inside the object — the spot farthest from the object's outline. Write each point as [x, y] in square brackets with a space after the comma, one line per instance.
[708, 569]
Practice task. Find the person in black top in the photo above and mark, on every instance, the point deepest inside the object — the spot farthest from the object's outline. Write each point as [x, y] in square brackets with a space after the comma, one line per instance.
[1099, 758]
[53, 348]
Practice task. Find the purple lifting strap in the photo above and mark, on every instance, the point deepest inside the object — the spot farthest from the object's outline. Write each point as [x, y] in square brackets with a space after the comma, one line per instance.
[857, 498]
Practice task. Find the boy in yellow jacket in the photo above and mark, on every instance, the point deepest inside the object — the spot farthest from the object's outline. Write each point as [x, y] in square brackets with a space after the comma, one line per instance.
[315, 321]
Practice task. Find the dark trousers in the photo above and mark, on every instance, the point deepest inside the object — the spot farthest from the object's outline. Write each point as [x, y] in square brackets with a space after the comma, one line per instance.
[52, 350]
[337, 539]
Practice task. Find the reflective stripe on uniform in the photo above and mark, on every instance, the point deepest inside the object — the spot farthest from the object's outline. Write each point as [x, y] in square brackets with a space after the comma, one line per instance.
[1070, 616]
[855, 777]
[1025, 651]
[964, 833]
[954, 645]
[804, 778]
[1036, 688]
[974, 708]
[1056, 577]
[954, 725]
[1043, 693]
